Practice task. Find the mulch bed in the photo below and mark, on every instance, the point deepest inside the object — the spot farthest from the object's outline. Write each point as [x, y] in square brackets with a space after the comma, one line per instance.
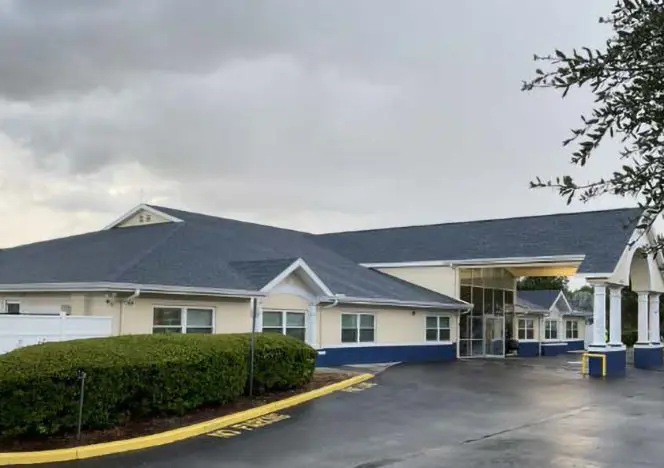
[162, 424]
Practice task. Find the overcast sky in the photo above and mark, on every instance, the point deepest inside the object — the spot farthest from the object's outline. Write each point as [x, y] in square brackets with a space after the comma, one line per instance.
[316, 115]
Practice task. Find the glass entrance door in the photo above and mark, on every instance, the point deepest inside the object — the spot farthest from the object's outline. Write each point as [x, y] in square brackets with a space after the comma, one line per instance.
[494, 336]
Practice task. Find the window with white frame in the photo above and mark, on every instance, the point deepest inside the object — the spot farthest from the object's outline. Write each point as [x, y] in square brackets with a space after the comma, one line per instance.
[526, 329]
[572, 329]
[357, 328]
[12, 307]
[183, 320]
[285, 322]
[550, 329]
[438, 328]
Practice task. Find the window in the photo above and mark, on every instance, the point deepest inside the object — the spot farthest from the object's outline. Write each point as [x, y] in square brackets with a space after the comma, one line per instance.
[12, 307]
[526, 329]
[571, 329]
[182, 320]
[438, 329]
[357, 328]
[286, 323]
[550, 329]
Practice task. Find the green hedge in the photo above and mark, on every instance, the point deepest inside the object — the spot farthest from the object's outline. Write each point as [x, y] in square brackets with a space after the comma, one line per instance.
[131, 377]
[281, 362]
[630, 337]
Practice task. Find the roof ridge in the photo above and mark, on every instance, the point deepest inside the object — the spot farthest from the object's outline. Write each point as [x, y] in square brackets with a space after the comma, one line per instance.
[46, 241]
[220, 218]
[549, 215]
[136, 260]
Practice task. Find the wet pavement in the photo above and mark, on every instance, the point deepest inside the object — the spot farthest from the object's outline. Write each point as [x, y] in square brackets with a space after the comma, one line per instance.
[501, 413]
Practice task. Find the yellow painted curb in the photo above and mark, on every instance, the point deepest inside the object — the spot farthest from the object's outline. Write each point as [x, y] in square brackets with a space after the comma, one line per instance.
[154, 440]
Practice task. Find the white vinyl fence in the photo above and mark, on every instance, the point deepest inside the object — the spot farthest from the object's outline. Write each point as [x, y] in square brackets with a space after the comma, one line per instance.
[17, 331]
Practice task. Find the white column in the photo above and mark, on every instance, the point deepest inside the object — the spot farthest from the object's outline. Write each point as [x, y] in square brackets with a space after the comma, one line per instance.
[312, 336]
[615, 309]
[654, 319]
[643, 337]
[599, 316]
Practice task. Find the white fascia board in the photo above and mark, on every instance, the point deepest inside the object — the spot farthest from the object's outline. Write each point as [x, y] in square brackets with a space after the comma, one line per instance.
[561, 293]
[594, 276]
[299, 263]
[577, 313]
[136, 209]
[128, 287]
[482, 261]
[395, 303]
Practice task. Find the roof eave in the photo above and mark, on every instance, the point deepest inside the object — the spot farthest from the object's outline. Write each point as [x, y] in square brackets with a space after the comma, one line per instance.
[480, 261]
[128, 287]
[395, 303]
[298, 264]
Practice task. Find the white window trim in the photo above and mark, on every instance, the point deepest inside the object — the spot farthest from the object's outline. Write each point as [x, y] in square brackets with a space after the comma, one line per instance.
[183, 317]
[358, 342]
[438, 317]
[5, 308]
[283, 313]
[518, 328]
[578, 334]
[557, 322]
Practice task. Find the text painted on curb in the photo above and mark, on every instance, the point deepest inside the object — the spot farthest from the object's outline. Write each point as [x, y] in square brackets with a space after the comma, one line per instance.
[250, 425]
[359, 387]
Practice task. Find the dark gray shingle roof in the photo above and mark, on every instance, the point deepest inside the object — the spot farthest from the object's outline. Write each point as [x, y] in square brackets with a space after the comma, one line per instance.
[541, 299]
[203, 251]
[261, 272]
[599, 235]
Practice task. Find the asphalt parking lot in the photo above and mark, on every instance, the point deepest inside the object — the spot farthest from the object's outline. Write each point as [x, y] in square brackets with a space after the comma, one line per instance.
[501, 413]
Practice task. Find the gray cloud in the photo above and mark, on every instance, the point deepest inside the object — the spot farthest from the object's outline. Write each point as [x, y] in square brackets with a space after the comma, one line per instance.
[315, 114]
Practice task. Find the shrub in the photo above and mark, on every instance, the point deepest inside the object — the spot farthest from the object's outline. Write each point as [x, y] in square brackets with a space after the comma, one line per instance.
[630, 337]
[131, 377]
[281, 362]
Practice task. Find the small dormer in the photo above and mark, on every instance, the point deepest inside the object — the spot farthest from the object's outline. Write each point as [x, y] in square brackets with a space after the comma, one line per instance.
[142, 215]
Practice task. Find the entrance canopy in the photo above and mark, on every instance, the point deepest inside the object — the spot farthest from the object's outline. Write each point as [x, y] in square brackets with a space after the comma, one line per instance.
[588, 243]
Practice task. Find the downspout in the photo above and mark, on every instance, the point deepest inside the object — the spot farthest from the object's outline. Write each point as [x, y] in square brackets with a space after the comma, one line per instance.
[129, 300]
[329, 306]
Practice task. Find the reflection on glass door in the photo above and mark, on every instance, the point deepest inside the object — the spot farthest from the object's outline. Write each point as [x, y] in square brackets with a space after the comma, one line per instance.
[464, 335]
[494, 336]
[481, 330]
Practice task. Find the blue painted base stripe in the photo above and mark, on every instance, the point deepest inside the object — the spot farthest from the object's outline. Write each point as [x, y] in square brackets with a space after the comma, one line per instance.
[528, 348]
[554, 349]
[647, 358]
[576, 345]
[615, 364]
[378, 354]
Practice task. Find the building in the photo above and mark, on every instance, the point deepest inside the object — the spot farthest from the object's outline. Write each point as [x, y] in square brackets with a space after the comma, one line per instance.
[398, 294]
[544, 323]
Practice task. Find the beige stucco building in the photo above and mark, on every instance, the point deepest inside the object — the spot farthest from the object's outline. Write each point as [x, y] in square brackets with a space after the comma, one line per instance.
[403, 294]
